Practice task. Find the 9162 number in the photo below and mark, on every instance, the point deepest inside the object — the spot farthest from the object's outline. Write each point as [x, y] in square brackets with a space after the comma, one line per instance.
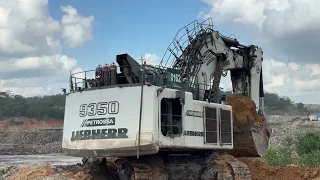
[175, 78]
[100, 108]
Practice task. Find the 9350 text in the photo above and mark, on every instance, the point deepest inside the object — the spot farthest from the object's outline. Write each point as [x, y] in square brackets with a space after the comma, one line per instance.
[100, 108]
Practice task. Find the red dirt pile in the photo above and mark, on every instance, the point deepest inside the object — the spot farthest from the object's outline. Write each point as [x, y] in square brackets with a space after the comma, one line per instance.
[244, 109]
[260, 170]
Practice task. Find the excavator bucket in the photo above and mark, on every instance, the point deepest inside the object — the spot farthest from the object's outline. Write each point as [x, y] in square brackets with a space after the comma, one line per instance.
[251, 131]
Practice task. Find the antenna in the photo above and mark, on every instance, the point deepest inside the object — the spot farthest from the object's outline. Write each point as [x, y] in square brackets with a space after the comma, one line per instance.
[141, 59]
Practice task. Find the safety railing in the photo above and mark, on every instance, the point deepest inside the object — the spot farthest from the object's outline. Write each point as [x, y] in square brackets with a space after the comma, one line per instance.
[118, 76]
[148, 75]
[183, 39]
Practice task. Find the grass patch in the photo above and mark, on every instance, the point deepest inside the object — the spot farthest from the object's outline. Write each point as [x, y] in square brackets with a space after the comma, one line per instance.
[303, 150]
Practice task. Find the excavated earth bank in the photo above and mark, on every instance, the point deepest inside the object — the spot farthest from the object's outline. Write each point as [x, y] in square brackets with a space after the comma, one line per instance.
[31, 142]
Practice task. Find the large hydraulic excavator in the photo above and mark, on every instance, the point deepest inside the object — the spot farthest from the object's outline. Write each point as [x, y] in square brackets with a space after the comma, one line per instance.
[171, 121]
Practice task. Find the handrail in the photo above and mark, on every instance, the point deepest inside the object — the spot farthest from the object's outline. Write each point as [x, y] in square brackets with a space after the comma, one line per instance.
[140, 115]
[177, 46]
[153, 75]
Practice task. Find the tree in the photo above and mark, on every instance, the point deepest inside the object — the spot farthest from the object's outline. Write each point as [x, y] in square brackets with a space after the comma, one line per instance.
[46, 107]
[300, 106]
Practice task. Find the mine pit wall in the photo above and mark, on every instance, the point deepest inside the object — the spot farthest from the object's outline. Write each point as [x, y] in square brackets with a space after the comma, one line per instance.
[31, 142]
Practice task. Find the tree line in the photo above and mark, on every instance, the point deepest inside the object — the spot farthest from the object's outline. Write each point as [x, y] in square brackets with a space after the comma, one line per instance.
[52, 106]
[41, 107]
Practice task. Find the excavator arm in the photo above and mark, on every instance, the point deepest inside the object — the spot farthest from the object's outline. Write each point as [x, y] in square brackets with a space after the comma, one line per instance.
[203, 56]
[209, 55]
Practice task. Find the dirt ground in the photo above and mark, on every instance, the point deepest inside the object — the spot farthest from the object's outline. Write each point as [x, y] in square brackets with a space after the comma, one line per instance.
[50, 172]
[28, 123]
[259, 171]
[262, 171]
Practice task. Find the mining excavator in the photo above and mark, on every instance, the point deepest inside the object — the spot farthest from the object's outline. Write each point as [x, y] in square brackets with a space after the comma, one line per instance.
[171, 121]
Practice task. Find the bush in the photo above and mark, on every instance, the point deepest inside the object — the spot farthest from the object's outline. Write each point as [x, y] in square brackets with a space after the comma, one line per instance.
[281, 156]
[311, 159]
[307, 143]
[277, 157]
[307, 146]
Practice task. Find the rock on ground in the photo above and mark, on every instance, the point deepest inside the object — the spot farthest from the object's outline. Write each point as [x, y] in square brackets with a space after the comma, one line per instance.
[290, 126]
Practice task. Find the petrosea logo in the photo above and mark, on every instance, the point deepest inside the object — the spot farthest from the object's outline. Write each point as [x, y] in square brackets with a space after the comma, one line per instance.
[98, 122]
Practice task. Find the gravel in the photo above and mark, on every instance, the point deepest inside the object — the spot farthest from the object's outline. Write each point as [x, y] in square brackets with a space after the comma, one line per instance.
[44, 141]
[290, 126]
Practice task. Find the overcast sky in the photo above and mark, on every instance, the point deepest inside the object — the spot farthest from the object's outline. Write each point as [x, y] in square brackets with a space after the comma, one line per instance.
[42, 41]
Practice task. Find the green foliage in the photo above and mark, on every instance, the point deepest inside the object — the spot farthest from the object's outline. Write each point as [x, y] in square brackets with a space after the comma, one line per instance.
[289, 143]
[273, 101]
[300, 106]
[311, 159]
[278, 157]
[276, 104]
[46, 107]
[308, 142]
[282, 155]
[307, 147]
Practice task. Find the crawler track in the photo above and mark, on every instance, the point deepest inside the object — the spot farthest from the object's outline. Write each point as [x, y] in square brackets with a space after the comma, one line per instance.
[204, 166]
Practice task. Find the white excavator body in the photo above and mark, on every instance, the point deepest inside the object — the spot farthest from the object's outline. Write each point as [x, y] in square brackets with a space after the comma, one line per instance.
[107, 122]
